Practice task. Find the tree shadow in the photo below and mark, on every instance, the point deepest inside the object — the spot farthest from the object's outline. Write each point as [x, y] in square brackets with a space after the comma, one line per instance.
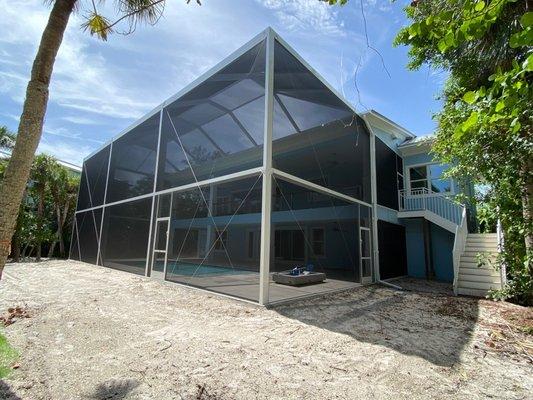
[6, 393]
[114, 389]
[429, 324]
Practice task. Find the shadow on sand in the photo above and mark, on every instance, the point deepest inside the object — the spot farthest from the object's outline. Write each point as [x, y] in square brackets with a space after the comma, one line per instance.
[425, 321]
[6, 393]
[115, 389]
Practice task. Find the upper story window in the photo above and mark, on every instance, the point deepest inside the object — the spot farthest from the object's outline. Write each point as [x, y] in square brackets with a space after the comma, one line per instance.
[429, 177]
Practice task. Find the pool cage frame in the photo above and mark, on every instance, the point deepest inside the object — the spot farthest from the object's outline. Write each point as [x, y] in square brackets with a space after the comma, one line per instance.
[266, 171]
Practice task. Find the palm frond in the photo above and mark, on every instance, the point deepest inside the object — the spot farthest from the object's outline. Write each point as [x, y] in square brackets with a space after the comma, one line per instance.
[97, 25]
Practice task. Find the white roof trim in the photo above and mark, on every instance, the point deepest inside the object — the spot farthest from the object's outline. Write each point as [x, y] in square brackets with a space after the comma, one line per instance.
[389, 126]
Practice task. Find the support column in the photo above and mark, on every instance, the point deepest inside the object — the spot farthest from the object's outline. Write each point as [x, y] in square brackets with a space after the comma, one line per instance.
[266, 204]
[374, 201]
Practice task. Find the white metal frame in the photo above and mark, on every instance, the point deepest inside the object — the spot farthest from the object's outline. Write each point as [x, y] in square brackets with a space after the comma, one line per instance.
[266, 197]
[266, 170]
[365, 279]
[153, 273]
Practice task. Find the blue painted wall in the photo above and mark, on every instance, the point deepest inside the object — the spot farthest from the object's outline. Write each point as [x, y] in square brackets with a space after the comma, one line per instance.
[442, 247]
[388, 215]
[416, 264]
[441, 250]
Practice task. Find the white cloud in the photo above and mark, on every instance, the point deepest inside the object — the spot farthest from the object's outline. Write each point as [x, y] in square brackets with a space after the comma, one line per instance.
[64, 151]
[307, 14]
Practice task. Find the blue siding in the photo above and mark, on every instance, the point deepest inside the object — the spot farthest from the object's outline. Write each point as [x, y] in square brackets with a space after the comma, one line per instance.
[441, 248]
[388, 215]
[416, 264]
[388, 139]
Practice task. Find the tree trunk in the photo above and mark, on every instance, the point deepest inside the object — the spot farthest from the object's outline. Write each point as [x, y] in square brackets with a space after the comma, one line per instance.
[16, 242]
[40, 218]
[62, 218]
[527, 203]
[52, 248]
[31, 123]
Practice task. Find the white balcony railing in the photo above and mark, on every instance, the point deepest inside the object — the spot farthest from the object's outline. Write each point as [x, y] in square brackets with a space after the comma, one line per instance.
[421, 199]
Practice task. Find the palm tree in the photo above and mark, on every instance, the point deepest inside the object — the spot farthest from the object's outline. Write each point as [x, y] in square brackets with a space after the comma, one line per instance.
[40, 173]
[129, 12]
[64, 189]
[7, 138]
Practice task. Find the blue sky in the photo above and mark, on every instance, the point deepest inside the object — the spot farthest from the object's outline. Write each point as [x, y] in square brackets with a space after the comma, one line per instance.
[99, 88]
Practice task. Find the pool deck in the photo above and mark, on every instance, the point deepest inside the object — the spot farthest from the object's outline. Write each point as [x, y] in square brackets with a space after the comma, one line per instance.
[246, 286]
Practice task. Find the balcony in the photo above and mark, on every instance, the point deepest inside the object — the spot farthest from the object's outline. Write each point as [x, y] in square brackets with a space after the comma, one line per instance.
[435, 207]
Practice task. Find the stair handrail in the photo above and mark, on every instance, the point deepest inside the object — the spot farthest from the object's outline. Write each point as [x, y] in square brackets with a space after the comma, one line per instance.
[448, 209]
[459, 245]
[501, 243]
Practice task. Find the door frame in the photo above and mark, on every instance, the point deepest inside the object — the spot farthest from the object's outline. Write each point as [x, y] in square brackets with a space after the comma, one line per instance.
[365, 279]
[158, 274]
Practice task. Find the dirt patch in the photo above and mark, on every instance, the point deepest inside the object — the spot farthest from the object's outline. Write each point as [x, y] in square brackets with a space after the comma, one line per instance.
[96, 333]
[13, 314]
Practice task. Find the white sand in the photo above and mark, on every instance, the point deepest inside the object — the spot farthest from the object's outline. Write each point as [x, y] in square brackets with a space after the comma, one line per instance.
[96, 333]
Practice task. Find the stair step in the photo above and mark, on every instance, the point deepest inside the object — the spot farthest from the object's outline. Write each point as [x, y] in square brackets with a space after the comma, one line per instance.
[478, 278]
[474, 255]
[466, 259]
[470, 248]
[472, 292]
[474, 270]
[478, 285]
[483, 235]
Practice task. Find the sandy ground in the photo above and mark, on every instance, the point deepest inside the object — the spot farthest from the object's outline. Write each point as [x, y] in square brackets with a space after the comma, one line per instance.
[94, 333]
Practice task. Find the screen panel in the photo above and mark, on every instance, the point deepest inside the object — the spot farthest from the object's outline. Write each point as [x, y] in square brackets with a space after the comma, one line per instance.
[311, 228]
[315, 135]
[392, 250]
[216, 128]
[125, 236]
[74, 253]
[215, 238]
[89, 224]
[386, 175]
[133, 159]
[93, 180]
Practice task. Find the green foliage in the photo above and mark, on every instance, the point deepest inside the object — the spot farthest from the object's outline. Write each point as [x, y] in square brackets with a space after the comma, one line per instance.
[333, 2]
[7, 138]
[486, 126]
[8, 355]
[49, 201]
[130, 12]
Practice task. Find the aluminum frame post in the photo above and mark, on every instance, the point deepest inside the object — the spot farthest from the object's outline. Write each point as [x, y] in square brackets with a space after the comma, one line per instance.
[266, 203]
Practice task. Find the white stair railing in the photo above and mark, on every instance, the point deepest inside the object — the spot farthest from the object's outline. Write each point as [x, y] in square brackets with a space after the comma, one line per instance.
[421, 199]
[459, 244]
[501, 243]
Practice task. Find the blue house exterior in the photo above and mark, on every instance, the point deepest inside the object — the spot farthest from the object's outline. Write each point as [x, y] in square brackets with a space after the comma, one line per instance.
[425, 212]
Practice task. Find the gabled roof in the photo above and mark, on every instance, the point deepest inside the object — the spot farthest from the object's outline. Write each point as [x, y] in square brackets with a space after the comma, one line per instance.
[387, 125]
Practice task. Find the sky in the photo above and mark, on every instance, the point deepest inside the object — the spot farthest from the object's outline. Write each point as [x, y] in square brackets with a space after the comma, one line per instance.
[100, 88]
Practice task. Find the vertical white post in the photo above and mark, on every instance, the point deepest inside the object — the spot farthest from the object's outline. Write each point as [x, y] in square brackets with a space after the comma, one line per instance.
[210, 234]
[374, 201]
[154, 197]
[266, 204]
[99, 254]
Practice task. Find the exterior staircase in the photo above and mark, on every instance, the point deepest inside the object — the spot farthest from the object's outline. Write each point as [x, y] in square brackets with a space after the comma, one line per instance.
[469, 278]
[474, 280]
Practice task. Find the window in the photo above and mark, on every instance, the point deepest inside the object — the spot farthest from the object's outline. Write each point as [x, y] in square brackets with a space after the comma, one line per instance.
[418, 177]
[430, 178]
[438, 183]
[317, 236]
[222, 240]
